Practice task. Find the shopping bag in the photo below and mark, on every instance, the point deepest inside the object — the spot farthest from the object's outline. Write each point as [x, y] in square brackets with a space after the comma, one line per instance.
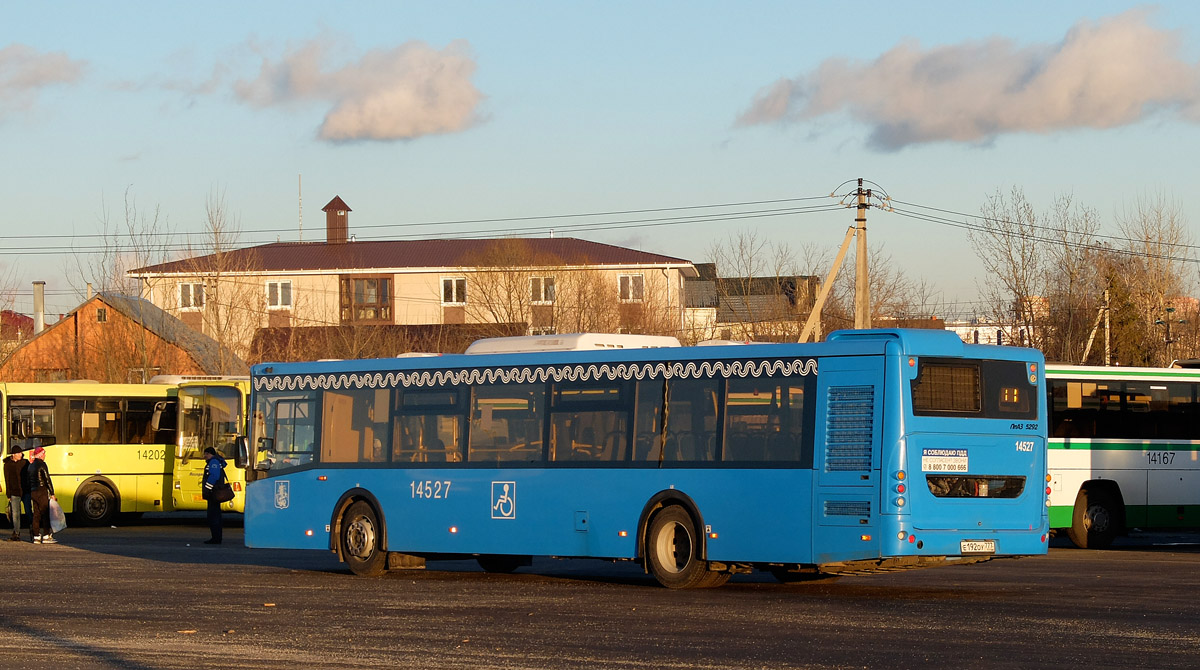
[58, 520]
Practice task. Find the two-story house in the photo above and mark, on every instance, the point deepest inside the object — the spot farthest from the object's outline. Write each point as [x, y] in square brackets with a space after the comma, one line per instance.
[548, 284]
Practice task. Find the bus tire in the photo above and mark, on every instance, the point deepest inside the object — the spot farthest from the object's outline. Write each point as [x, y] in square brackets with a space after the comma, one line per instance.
[361, 540]
[714, 579]
[673, 552]
[1095, 520]
[500, 564]
[95, 505]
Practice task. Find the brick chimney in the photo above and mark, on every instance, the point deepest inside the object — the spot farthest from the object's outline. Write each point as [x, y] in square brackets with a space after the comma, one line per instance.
[337, 226]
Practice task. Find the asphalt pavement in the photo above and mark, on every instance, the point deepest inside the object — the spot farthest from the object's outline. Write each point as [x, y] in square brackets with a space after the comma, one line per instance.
[149, 594]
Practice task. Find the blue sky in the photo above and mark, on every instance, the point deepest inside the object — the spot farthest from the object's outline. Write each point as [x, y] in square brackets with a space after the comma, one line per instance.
[437, 112]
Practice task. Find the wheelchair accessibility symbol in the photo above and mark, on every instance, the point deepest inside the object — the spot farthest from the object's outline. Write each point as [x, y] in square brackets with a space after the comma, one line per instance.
[504, 500]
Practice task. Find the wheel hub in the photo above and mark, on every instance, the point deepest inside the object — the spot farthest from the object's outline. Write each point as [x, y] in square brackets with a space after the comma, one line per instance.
[674, 548]
[1097, 519]
[96, 505]
[360, 537]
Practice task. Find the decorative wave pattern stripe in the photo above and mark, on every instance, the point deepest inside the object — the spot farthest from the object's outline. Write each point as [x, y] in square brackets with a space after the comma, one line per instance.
[849, 428]
[529, 375]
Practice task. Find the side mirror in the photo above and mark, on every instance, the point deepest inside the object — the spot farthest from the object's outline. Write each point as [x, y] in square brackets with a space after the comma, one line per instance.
[241, 452]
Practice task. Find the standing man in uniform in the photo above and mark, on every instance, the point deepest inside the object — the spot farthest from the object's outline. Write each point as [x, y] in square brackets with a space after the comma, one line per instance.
[214, 473]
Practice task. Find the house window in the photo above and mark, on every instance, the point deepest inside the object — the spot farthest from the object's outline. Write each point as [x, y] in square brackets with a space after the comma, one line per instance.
[631, 288]
[191, 295]
[366, 299]
[279, 295]
[454, 291]
[541, 290]
[102, 315]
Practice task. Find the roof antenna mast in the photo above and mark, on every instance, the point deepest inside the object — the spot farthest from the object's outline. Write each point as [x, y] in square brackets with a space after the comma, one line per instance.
[300, 202]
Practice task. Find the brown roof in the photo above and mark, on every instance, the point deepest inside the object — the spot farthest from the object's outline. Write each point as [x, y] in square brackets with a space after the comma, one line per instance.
[399, 254]
[337, 204]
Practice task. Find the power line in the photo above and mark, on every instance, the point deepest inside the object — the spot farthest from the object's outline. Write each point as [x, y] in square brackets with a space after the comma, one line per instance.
[1050, 240]
[1034, 226]
[452, 222]
[652, 222]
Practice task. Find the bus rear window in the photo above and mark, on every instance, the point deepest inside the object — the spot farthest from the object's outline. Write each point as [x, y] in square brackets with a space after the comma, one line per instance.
[973, 388]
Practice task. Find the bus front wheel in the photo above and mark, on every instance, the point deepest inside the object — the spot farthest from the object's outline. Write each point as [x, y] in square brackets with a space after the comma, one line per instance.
[361, 538]
[95, 505]
[673, 552]
[1095, 519]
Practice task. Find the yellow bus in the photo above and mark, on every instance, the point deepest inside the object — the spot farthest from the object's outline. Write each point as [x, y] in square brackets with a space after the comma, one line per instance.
[127, 448]
[212, 413]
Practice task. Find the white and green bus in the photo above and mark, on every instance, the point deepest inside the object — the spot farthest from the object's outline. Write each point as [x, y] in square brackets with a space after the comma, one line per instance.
[1124, 450]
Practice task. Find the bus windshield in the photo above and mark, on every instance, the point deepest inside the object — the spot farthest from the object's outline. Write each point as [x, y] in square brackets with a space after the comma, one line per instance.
[210, 416]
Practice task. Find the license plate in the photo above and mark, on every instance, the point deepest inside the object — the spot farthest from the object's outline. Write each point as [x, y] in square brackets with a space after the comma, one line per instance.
[977, 546]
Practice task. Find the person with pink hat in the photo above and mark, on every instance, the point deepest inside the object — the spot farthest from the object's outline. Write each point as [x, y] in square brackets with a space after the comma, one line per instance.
[42, 490]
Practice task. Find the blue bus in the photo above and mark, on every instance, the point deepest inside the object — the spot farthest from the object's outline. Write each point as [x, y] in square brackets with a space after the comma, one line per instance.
[876, 450]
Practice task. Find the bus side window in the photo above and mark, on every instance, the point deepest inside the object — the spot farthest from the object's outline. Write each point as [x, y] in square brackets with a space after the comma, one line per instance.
[692, 420]
[647, 442]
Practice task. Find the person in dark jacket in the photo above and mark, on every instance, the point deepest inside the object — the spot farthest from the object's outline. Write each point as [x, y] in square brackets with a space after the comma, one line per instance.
[15, 475]
[214, 473]
[41, 492]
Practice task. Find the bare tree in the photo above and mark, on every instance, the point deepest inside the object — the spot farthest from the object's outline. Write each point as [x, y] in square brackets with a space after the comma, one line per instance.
[504, 291]
[8, 299]
[1014, 269]
[1153, 273]
[759, 292]
[139, 239]
[586, 301]
[234, 304]
[514, 285]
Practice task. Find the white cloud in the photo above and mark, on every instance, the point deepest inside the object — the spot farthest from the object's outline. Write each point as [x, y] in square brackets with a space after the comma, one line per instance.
[24, 72]
[388, 94]
[1103, 74]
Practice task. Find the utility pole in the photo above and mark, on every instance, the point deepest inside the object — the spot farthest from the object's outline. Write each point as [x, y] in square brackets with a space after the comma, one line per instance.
[862, 289]
[1107, 337]
[1103, 313]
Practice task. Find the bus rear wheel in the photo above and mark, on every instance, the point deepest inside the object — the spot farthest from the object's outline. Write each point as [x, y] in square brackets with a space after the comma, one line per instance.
[95, 505]
[361, 537]
[673, 552]
[1095, 519]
